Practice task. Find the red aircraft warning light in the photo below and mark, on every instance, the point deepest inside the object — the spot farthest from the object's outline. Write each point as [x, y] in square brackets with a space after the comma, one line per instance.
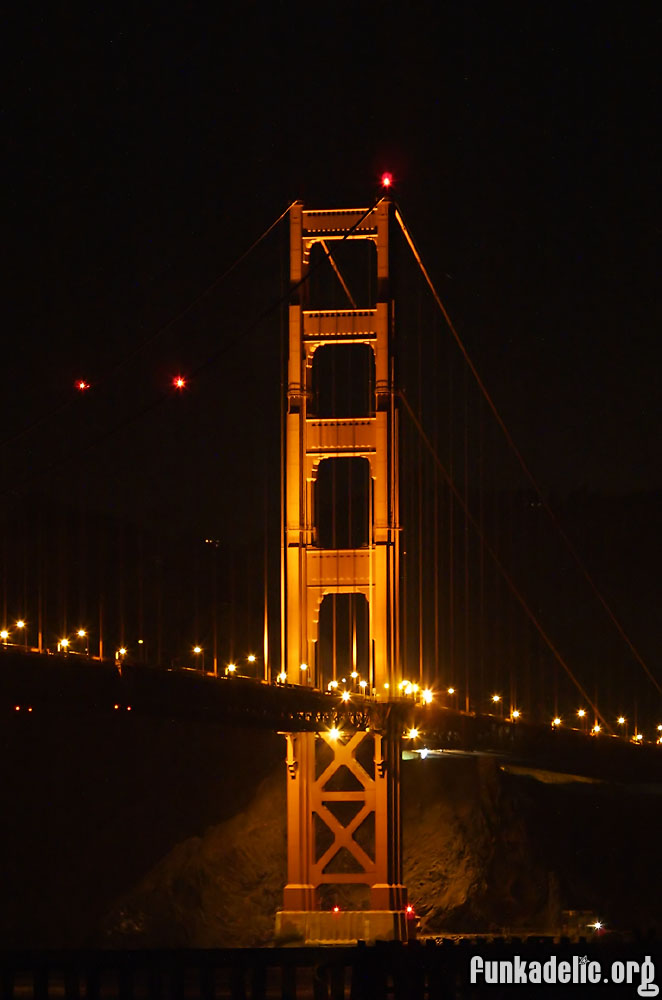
[82, 385]
[387, 180]
[179, 382]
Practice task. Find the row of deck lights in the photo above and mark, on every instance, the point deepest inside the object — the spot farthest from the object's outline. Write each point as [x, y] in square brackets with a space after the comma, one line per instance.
[63, 644]
[426, 697]
[231, 668]
[21, 625]
[596, 729]
[405, 687]
[408, 688]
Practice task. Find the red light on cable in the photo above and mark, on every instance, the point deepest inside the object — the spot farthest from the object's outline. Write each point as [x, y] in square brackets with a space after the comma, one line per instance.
[179, 382]
[387, 180]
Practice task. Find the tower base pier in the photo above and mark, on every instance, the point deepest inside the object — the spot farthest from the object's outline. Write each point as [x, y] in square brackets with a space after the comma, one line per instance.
[346, 927]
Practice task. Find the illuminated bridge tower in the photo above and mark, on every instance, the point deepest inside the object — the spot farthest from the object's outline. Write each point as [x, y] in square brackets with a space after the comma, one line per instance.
[343, 791]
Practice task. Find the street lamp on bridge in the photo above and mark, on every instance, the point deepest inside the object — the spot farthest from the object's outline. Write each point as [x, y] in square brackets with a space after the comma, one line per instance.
[20, 624]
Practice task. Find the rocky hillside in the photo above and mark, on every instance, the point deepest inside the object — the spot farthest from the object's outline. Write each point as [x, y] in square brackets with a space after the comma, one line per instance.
[485, 851]
[121, 831]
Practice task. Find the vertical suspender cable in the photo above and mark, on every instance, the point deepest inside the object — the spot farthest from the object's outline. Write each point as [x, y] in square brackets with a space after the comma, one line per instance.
[265, 609]
[435, 525]
[497, 562]
[420, 498]
[283, 431]
[466, 545]
[451, 544]
[481, 549]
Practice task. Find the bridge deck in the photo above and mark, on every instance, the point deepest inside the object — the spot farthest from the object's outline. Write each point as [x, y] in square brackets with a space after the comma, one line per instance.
[31, 684]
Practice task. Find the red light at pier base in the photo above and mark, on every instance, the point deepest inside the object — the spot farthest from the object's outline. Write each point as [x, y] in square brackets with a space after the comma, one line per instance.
[386, 180]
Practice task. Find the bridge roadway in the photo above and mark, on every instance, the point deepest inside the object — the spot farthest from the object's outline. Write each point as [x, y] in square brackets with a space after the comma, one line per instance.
[32, 683]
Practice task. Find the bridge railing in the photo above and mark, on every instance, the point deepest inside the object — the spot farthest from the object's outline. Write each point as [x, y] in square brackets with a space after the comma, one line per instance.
[414, 971]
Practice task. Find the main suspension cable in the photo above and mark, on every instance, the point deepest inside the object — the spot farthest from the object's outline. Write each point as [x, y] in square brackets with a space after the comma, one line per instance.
[520, 458]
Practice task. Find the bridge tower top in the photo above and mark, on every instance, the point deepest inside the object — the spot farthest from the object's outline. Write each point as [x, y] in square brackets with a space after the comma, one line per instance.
[313, 569]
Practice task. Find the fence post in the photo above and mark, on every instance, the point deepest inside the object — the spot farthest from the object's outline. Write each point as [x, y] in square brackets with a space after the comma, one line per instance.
[289, 982]
[125, 980]
[338, 981]
[207, 981]
[237, 983]
[92, 982]
[7, 984]
[321, 982]
[258, 981]
[40, 981]
[72, 983]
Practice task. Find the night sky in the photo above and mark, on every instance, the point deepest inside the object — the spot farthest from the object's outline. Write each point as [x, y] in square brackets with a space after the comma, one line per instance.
[145, 154]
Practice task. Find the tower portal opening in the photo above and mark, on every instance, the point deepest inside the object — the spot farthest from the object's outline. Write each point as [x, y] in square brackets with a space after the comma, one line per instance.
[342, 275]
[344, 642]
[343, 381]
[342, 503]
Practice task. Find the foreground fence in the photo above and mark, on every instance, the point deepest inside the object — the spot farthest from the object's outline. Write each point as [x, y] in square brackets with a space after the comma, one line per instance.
[414, 971]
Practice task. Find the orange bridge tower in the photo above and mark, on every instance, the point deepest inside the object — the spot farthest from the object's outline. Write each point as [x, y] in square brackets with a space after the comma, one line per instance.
[343, 787]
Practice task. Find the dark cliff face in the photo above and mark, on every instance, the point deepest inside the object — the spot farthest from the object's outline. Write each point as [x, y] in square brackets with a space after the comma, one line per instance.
[470, 863]
[141, 832]
[92, 802]
[485, 851]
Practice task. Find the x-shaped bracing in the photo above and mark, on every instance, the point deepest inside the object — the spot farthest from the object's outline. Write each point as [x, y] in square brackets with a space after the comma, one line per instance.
[343, 836]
